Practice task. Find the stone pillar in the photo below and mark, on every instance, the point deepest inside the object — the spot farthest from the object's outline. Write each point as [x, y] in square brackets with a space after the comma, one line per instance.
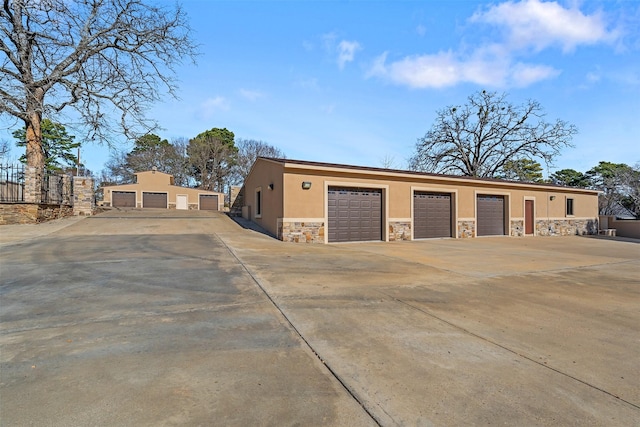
[67, 190]
[83, 196]
[32, 184]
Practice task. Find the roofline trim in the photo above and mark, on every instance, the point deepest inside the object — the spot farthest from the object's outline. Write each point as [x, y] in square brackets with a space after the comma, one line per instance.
[309, 165]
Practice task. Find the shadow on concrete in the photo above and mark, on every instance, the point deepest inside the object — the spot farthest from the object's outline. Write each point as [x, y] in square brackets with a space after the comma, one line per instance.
[250, 225]
[614, 238]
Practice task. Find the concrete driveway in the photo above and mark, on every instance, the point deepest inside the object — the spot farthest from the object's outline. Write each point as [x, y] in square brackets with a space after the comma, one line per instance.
[174, 318]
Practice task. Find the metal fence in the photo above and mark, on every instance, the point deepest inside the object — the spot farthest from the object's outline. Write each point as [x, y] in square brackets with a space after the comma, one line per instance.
[53, 188]
[11, 183]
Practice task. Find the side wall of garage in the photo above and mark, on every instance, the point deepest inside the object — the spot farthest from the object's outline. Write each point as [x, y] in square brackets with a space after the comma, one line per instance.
[264, 194]
[304, 214]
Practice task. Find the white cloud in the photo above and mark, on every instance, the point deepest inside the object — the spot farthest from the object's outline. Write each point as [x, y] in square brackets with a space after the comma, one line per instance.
[346, 52]
[446, 69]
[439, 70]
[251, 95]
[210, 105]
[629, 77]
[526, 74]
[593, 77]
[329, 41]
[529, 25]
[378, 68]
[538, 25]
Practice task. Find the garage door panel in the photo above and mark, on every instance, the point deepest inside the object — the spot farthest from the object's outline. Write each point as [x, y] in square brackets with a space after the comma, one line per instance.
[354, 214]
[123, 199]
[154, 200]
[431, 215]
[208, 202]
[490, 215]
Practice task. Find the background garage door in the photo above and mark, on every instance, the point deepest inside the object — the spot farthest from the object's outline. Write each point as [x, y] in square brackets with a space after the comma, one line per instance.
[123, 199]
[490, 215]
[355, 214]
[154, 200]
[431, 215]
[208, 202]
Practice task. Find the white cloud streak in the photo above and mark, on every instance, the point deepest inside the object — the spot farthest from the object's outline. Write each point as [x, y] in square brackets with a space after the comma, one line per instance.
[210, 105]
[346, 52]
[446, 69]
[343, 51]
[251, 95]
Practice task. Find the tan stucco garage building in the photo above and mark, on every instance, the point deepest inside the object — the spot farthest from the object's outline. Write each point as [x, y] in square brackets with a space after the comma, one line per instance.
[301, 201]
[154, 189]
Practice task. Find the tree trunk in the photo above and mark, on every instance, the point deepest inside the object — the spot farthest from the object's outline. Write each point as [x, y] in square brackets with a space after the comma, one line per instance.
[35, 153]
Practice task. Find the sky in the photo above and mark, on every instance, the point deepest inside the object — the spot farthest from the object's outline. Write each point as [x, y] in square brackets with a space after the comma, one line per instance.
[358, 82]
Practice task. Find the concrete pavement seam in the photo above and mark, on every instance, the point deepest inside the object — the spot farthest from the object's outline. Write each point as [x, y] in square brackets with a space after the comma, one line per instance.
[468, 332]
[333, 373]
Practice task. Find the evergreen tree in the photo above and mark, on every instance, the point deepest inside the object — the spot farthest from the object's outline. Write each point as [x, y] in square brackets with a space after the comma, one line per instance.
[58, 146]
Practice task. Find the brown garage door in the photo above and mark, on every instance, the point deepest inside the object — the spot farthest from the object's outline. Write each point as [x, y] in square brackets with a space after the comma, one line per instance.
[355, 214]
[490, 215]
[123, 199]
[208, 202]
[431, 215]
[154, 200]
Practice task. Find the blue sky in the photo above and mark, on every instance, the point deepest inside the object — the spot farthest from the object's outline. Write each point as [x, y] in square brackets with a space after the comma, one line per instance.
[359, 81]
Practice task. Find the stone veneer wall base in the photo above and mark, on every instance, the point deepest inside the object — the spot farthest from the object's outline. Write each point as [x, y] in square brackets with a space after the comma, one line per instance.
[567, 227]
[313, 232]
[466, 229]
[301, 232]
[399, 230]
[517, 227]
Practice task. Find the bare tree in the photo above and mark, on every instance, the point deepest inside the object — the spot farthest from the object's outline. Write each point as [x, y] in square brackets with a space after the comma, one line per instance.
[388, 162]
[480, 137]
[178, 164]
[619, 184]
[150, 151]
[4, 149]
[116, 169]
[92, 56]
[248, 151]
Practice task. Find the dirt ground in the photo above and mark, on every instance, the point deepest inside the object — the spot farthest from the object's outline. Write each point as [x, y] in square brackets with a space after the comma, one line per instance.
[186, 318]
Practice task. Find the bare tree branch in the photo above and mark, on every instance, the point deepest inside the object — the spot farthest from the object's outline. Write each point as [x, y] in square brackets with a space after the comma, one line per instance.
[93, 56]
[248, 151]
[487, 133]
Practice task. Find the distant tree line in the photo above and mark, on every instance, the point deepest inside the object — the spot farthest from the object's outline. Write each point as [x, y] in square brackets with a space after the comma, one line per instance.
[212, 160]
[618, 182]
[490, 137]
